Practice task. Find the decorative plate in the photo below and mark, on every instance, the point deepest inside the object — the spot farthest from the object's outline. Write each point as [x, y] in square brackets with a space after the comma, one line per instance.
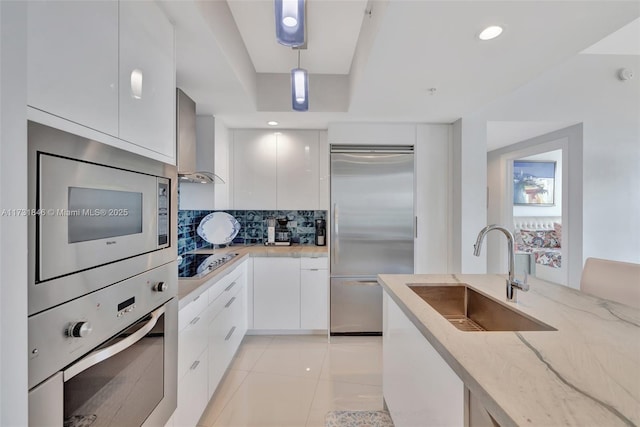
[218, 228]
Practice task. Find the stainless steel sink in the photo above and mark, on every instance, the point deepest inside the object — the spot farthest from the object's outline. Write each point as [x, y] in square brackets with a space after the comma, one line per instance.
[469, 310]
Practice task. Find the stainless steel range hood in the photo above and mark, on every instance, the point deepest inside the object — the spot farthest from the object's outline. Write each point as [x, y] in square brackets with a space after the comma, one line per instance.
[186, 142]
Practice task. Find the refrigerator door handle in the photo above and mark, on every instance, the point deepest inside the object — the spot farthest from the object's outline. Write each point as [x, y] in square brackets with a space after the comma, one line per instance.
[363, 283]
[336, 241]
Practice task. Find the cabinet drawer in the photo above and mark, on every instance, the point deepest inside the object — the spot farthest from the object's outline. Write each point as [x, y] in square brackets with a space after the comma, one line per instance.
[225, 334]
[193, 334]
[317, 262]
[191, 310]
[192, 393]
[227, 299]
[226, 285]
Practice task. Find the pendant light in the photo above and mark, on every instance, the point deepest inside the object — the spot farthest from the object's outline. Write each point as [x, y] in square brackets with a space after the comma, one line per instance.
[290, 22]
[299, 88]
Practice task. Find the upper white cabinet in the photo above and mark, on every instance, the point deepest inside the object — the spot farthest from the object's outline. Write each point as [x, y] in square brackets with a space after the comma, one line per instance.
[104, 70]
[298, 183]
[254, 169]
[147, 77]
[72, 61]
[276, 170]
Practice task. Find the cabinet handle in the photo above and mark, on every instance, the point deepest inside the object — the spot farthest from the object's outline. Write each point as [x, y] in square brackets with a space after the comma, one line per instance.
[313, 269]
[195, 365]
[336, 236]
[230, 333]
[197, 298]
[195, 320]
[230, 286]
[230, 302]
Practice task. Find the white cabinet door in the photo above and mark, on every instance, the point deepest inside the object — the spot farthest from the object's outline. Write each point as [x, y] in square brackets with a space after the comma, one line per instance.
[298, 182]
[276, 293]
[192, 393]
[419, 387]
[72, 61]
[314, 294]
[147, 117]
[254, 169]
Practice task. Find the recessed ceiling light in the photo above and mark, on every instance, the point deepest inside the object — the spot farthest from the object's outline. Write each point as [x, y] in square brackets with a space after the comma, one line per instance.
[272, 123]
[490, 32]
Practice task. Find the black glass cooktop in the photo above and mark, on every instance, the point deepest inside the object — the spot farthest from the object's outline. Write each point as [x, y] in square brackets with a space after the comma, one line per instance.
[198, 265]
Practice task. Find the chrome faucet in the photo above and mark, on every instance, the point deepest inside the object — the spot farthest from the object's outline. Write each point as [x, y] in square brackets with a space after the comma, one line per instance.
[512, 282]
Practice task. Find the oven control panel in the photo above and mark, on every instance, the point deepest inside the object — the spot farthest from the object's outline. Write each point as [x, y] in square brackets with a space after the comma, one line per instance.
[65, 333]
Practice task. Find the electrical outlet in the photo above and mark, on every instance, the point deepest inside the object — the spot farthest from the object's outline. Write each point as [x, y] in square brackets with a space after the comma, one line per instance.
[292, 224]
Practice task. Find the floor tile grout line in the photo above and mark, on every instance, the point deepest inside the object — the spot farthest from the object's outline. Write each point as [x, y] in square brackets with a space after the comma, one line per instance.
[315, 392]
[224, 378]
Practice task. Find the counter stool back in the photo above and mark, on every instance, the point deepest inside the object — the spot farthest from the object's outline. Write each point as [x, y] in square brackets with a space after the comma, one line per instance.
[612, 280]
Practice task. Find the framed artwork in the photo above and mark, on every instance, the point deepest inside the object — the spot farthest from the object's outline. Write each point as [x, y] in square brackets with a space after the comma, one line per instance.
[533, 183]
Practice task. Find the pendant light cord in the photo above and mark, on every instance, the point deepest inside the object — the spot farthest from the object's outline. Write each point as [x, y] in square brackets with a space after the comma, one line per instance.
[298, 58]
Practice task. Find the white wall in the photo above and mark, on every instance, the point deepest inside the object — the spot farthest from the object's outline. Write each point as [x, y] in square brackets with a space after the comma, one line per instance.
[13, 195]
[556, 209]
[586, 89]
[222, 169]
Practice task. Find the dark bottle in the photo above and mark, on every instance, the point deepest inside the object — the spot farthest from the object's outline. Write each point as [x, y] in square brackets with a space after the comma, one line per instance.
[321, 232]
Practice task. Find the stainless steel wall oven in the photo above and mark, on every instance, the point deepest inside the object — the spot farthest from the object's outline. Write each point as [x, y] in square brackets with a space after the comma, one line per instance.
[102, 284]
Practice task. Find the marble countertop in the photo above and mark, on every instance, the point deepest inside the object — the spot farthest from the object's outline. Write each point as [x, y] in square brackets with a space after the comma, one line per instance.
[585, 373]
[190, 288]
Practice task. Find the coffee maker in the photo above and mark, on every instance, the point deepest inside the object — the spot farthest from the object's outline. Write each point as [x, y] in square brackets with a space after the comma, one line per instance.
[321, 232]
[283, 235]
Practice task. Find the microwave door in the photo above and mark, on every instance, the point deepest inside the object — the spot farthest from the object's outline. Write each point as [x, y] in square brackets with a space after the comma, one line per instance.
[91, 215]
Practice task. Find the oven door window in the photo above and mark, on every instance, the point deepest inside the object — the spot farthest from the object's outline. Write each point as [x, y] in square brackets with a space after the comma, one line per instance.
[122, 390]
[100, 214]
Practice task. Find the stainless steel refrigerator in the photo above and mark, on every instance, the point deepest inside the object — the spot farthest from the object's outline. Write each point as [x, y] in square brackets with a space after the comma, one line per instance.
[372, 230]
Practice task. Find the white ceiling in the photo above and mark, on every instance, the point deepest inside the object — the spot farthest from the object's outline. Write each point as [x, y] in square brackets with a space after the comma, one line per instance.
[625, 41]
[391, 57]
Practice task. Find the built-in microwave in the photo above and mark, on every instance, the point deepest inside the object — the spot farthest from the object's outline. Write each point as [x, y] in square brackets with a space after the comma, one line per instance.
[98, 215]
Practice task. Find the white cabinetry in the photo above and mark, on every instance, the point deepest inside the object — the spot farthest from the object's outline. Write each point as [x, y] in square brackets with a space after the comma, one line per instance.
[72, 61]
[419, 387]
[192, 362]
[298, 182]
[146, 47]
[228, 323]
[276, 293]
[254, 170]
[314, 293]
[211, 328]
[276, 170]
[80, 59]
[290, 293]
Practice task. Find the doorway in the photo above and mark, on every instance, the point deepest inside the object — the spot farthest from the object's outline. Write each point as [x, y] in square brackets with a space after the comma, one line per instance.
[544, 218]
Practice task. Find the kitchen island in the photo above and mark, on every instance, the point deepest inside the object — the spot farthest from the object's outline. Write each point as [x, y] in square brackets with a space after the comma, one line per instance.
[586, 372]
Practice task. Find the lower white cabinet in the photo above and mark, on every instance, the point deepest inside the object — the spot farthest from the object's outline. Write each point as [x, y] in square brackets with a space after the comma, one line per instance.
[211, 327]
[276, 293]
[192, 393]
[419, 387]
[228, 326]
[314, 293]
[290, 293]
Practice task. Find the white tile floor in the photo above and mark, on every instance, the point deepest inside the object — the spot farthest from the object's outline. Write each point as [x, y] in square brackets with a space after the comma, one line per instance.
[293, 381]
